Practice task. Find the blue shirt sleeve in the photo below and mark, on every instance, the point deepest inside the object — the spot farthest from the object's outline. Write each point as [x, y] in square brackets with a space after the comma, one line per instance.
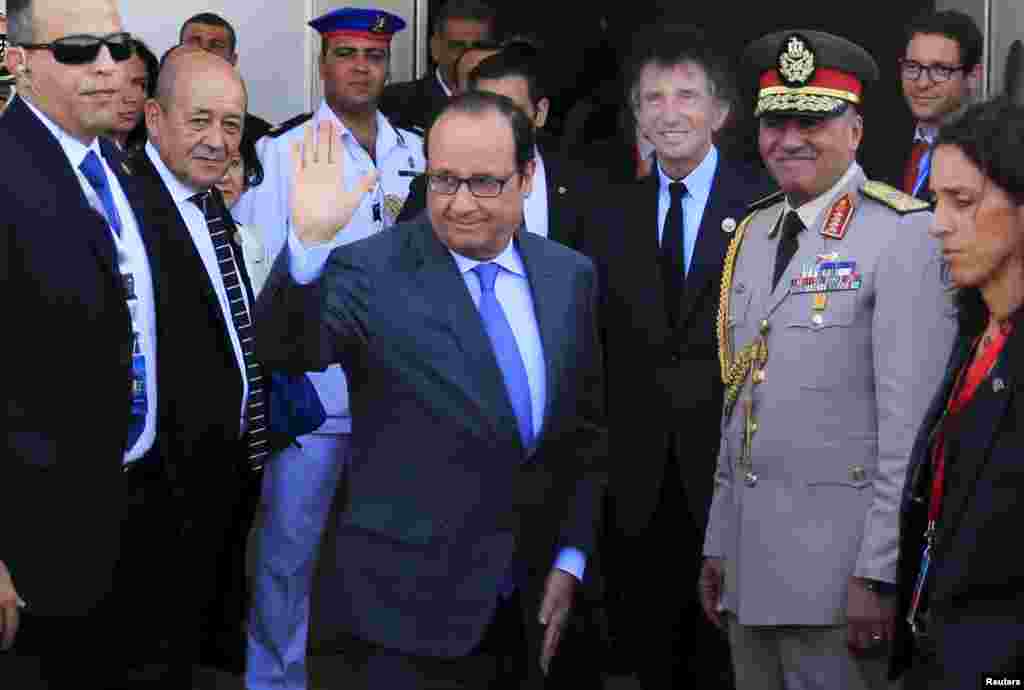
[572, 561]
[306, 263]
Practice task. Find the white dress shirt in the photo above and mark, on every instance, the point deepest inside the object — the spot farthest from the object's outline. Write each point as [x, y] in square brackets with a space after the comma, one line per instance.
[698, 190]
[132, 259]
[195, 221]
[399, 158]
[512, 288]
[535, 207]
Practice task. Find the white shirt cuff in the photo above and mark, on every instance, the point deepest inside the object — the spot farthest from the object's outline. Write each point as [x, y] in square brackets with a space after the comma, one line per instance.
[306, 263]
[572, 561]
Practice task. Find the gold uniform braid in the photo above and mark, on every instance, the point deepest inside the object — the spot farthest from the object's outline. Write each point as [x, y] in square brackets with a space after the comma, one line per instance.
[724, 298]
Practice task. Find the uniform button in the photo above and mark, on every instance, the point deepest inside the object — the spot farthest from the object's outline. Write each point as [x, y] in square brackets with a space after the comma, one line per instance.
[817, 319]
[740, 288]
[759, 376]
[750, 479]
[765, 327]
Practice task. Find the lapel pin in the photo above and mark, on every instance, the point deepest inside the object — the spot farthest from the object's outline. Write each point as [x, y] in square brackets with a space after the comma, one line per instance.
[998, 385]
[562, 190]
[729, 225]
[124, 166]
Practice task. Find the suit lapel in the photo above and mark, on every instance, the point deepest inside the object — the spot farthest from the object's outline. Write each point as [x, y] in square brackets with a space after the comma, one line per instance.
[711, 245]
[50, 157]
[150, 240]
[560, 221]
[438, 276]
[162, 215]
[550, 305]
[977, 430]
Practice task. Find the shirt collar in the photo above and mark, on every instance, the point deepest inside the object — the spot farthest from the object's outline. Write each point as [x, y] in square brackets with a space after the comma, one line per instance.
[810, 211]
[179, 191]
[925, 134]
[509, 260]
[440, 80]
[700, 178]
[75, 150]
[387, 136]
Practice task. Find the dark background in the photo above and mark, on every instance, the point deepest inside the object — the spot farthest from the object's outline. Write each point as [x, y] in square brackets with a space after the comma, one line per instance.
[582, 56]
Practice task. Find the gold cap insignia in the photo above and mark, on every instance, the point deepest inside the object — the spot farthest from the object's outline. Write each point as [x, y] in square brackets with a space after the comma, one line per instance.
[380, 26]
[796, 61]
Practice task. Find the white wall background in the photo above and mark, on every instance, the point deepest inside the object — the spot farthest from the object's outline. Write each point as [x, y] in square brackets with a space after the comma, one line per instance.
[273, 44]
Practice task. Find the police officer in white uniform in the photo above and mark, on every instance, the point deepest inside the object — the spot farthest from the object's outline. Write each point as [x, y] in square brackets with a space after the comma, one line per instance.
[299, 485]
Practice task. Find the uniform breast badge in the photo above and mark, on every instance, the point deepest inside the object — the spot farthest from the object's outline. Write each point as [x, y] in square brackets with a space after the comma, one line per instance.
[838, 218]
[393, 206]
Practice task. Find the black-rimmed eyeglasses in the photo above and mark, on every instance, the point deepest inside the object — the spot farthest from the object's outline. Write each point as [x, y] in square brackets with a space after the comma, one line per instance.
[81, 49]
[483, 186]
[912, 70]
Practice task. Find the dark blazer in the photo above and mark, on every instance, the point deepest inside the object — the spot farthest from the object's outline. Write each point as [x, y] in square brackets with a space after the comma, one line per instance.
[412, 104]
[68, 377]
[441, 493]
[206, 395]
[661, 379]
[977, 614]
[571, 194]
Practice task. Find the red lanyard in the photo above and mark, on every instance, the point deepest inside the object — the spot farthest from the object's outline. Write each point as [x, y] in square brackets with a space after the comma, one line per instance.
[962, 394]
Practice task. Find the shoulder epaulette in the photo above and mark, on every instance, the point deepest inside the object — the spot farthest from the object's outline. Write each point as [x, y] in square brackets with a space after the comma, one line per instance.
[898, 201]
[764, 202]
[287, 125]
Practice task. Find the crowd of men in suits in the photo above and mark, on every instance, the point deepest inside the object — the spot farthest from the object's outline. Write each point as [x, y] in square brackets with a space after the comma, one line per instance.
[647, 404]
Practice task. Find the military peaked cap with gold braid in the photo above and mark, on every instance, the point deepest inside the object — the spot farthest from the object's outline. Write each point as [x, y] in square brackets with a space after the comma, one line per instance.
[809, 73]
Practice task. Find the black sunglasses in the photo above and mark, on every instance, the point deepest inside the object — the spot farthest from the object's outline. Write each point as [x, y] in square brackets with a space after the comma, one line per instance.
[82, 49]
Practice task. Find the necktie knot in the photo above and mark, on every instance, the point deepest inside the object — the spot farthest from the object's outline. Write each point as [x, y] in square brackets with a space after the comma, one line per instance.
[487, 273]
[677, 189]
[92, 168]
[201, 200]
[792, 226]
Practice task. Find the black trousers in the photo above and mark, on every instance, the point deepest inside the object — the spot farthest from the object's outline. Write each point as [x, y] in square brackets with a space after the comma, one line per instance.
[658, 617]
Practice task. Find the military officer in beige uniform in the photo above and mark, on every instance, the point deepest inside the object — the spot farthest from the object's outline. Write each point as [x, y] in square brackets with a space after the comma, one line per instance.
[834, 328]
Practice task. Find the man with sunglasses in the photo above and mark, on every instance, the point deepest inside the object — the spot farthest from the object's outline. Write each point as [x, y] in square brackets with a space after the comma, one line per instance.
[939, 71]
[80, 424]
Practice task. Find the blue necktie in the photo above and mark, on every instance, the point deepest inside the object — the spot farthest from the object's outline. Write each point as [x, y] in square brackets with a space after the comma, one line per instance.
[510, 360]
[923, 168]
[92, 168]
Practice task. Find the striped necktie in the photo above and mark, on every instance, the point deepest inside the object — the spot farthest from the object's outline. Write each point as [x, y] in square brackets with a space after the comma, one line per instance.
[257, 439]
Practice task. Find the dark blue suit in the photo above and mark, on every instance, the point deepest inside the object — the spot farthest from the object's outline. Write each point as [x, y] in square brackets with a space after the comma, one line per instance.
[441, 494]
[976, 610]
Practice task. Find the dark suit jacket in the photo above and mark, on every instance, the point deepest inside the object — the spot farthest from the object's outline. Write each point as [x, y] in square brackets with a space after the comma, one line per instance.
[205, 399]
[412, 104]
[67, 380]
[975, 604]
[442, 494]
[571, 192]
[662, 380]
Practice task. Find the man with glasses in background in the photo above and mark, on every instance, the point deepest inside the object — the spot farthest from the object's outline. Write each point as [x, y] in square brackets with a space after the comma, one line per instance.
[939, 72]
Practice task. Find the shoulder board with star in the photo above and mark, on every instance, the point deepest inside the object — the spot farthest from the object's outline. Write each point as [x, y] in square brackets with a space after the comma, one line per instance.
[765, 202]
[897, 200]
[288, 125]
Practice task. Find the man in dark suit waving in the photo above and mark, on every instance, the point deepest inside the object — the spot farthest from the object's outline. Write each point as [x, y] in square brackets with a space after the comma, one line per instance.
[475, 372]
[661, 258]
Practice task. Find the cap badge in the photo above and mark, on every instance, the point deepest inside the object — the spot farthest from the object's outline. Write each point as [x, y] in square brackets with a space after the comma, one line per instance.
[796, 62]
[380, 26]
